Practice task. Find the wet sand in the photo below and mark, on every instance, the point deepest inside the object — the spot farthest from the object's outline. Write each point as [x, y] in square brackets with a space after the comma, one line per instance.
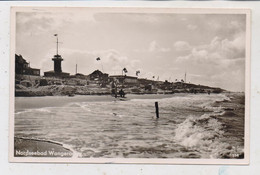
[22, 103]
[39, 148]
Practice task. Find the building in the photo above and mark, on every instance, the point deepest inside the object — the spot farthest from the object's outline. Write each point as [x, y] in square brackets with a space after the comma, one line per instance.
[78, 75]
[123, 79]
[98, 75]
[22, 67]
[144, 81]
[57, 72]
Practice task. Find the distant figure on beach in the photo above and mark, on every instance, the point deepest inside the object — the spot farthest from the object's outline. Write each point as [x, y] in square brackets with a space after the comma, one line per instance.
[122, 93]
[114, 87]
[209, 92]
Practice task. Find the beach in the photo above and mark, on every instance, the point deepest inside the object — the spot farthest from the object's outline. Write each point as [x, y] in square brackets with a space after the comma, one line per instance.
[25, 147]
[22, 103]
[190, 126]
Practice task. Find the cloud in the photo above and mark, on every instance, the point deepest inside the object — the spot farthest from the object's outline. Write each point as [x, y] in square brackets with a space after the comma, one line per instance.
[217, 50]
[206, 44]
[147, 75]
[38, 23]
[35, 25]
[112, 61]
[222, 61]
[155, 47]
[195, 75]
[181, 46]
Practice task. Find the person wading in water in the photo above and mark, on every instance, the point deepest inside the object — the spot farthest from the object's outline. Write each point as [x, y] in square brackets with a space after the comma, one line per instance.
[122, 93]
[114, 87]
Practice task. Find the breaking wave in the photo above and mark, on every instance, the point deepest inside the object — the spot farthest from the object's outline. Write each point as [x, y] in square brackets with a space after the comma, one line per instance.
[201, 133]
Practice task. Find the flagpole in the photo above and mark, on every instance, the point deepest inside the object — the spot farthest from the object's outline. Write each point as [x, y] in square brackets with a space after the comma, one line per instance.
[57, 44]
[102, 66]
[98, 59]
[185, 77]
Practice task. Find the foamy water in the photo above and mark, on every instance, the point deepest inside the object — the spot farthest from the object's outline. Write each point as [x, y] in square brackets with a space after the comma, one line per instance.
[188, 127]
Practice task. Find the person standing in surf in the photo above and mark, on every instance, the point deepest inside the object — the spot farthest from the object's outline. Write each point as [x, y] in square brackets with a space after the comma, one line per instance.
[114, 87]
[122, 93]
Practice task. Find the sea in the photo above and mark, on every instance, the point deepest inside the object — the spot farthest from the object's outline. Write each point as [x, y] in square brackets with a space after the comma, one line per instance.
[189, 125]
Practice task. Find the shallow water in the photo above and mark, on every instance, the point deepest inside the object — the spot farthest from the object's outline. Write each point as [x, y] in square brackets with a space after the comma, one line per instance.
[190, 126]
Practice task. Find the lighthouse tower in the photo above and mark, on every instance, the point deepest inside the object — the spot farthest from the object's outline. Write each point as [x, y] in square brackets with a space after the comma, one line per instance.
[57, 63]
[57, 59]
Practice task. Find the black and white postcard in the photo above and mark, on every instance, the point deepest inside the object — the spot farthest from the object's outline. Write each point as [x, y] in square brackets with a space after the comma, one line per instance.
[129, 85]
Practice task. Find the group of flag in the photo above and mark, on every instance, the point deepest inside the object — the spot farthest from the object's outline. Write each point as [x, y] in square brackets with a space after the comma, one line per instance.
[124, 70]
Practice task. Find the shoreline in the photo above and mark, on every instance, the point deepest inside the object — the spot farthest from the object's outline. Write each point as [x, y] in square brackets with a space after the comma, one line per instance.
[26, 147]
[22, 103]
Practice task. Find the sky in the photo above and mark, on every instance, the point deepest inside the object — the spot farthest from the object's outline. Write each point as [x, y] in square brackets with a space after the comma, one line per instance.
[210, 48]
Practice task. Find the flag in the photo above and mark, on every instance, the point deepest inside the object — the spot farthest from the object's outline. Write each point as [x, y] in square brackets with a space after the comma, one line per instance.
[137, 72]
[98, 59]
[55, 34]
[125, 70]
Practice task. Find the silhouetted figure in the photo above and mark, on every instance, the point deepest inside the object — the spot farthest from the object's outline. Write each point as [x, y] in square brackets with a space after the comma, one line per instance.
[114, 87]
[122, 93]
